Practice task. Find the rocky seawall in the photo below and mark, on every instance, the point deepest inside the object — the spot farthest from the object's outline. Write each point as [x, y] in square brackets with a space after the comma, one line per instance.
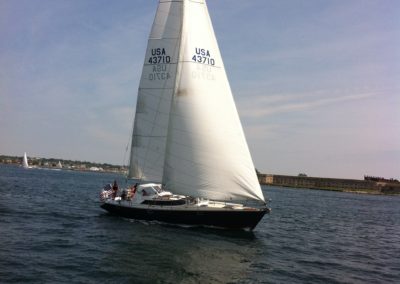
[334, 184]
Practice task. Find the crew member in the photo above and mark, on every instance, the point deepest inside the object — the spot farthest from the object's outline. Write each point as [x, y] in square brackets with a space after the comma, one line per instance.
[115, 189]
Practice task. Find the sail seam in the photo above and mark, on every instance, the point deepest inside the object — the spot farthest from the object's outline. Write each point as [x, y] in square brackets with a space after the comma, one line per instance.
[201, 64]
[162, 38]
[150, 64]
[156, 88]
[156, 136]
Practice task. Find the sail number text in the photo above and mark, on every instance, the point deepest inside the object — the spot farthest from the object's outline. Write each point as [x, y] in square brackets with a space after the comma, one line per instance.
[159, 56]
[203, 56]
[159, 59]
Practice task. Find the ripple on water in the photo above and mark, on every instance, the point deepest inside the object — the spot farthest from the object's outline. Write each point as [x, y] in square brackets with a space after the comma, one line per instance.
[52, 230]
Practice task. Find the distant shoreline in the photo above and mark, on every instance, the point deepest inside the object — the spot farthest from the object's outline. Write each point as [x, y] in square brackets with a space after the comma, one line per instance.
[65, 169]
[52, 164]
[387, 187]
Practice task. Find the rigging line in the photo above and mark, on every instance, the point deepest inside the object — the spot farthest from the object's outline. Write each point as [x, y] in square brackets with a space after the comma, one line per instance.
[151, 136]
[152, 64]
[179, 1]
[154, 88]
[148, 108]
[202, 64]
[143, 121]
[128, 144]
[158, 38]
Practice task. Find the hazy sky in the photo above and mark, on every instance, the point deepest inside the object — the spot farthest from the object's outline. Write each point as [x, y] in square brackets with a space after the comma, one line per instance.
[316, 83]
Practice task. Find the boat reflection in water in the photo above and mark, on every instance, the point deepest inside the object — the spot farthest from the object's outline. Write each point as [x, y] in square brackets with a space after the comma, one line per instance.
[174, 255]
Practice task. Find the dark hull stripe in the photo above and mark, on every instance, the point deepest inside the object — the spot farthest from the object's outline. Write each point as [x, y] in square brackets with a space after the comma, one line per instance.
[230, 219]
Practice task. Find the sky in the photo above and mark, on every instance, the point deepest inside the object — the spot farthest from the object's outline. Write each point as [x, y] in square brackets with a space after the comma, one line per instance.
[316, 83]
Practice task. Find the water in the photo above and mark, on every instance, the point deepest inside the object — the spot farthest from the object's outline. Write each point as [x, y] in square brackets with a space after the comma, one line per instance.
[53, 231]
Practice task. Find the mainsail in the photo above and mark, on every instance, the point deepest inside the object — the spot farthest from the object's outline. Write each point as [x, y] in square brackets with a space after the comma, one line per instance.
[155, 93]
[187, 128]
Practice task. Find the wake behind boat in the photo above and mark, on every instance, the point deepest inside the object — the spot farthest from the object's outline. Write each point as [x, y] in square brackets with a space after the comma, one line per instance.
[187, 134]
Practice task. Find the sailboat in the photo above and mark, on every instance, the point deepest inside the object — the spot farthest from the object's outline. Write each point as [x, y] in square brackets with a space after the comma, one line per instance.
[59, 165]
[188, 148]
[25, 164]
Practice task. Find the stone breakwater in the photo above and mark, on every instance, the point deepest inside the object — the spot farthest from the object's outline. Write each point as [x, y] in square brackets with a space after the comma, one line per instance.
[335, 184]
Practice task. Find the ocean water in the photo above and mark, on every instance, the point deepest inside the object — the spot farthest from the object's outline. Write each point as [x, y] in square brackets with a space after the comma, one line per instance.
[52, 230]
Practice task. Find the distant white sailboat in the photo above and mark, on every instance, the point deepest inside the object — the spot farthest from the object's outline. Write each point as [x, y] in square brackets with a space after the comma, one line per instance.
[187, 134]
[25, 164]
[59, 165]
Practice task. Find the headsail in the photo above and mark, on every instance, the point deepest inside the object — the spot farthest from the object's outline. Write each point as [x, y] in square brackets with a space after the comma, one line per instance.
[155, 93]
[207, 153]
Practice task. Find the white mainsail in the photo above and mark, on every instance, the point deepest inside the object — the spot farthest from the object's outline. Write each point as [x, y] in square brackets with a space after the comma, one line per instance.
[25, 164]
[192, 134]
[155, 93]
